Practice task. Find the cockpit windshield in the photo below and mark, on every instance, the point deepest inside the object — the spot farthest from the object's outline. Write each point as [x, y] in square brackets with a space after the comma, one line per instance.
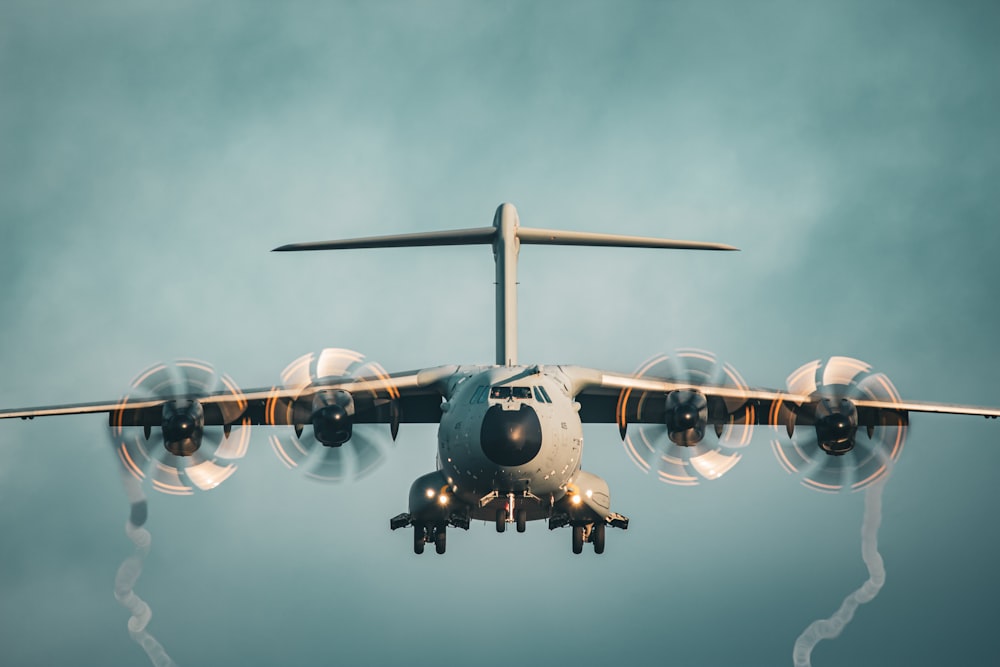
[503, 392]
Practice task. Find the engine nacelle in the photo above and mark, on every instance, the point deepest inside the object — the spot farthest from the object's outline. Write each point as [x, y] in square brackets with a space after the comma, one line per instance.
[182, 424]
[836, 425]
[332, 416]
[686, 416]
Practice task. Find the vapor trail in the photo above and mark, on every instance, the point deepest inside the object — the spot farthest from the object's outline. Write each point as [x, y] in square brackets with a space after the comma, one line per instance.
[128, 574]
[828, 628]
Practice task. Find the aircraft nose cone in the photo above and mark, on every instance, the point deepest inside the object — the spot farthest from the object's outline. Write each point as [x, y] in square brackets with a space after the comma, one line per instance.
[511, 438]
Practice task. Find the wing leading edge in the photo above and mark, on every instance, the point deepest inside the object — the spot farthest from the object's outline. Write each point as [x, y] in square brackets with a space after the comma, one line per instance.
[407, 397]
[604, 398]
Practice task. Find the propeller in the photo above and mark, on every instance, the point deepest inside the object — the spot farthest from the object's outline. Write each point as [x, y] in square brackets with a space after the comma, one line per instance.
[828, 442]
[159, 428]
[695, 437]
[325, 441]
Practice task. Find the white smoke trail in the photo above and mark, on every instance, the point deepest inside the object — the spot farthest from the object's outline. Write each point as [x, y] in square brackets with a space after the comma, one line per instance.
[828, 628]
[128, 574]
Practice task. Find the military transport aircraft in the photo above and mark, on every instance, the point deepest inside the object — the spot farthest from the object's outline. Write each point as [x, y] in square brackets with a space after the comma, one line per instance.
[510, 435]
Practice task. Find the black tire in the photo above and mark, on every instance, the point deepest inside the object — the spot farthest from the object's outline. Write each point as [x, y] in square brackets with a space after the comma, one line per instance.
[598, 538]
[501, 520]
[577, 539]
[419, 537]
[439, 540]
[521, 520]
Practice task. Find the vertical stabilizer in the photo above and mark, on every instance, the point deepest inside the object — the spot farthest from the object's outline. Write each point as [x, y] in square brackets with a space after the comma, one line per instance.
[505, 249]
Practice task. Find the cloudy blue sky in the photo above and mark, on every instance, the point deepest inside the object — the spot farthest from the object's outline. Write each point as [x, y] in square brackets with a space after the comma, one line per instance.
[151, 154]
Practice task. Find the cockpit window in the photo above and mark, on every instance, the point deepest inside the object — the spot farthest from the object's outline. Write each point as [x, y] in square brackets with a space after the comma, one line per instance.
[522, 392]
[505, 393]
[480, 394]
[500, 392]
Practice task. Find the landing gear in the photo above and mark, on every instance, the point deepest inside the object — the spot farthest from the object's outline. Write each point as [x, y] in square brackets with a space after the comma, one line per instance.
[521, 520]
[501, 520]
[591, 532]
[432, 514]
[424, 534]
[439, 539]
[419, 538]
[597, 537]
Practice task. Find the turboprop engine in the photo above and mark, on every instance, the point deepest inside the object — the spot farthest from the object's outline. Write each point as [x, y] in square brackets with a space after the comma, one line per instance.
[685, 417]
[332, 416]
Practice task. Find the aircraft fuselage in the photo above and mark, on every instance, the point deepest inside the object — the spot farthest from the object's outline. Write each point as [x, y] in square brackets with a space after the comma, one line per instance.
[510, 430]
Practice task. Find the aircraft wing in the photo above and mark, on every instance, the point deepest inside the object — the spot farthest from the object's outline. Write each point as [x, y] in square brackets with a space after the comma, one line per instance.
[407, 397]
[623, 399]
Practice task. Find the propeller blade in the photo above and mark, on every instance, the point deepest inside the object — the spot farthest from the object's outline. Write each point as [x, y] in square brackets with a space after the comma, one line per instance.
[141, 449]
[354, 459]
[728, 428]
[196, 377]
[205, 473]
[330, 465]
[368, 456]
[211, 439]
[876, 445]
[167, 477]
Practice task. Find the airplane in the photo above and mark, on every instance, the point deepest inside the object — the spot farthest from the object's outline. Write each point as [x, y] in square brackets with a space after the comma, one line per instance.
[510, 435]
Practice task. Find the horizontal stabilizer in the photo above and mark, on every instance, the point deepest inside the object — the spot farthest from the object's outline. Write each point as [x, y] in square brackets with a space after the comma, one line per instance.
[478, 235]
[560, 237]
[488, 235]
[505, 236]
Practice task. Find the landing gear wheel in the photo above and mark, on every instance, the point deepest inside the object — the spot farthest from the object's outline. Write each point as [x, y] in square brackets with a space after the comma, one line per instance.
[522, 520]
[419, 537]
[439, 539]
[598, 537]
[501, 520]
[577, 539]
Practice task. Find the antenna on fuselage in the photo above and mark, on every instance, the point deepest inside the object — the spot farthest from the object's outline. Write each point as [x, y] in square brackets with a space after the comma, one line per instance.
[506, 236]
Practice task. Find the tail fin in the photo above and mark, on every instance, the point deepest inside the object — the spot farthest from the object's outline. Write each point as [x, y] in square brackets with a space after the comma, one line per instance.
[505, 236]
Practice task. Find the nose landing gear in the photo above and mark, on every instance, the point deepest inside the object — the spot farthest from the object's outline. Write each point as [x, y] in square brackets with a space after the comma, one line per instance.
[521, 519]
[511, 513]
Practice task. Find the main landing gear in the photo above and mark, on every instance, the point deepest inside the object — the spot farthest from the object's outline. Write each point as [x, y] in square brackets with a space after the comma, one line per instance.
[424, 534]
[429, 530]
[593, 533]
[584, 530]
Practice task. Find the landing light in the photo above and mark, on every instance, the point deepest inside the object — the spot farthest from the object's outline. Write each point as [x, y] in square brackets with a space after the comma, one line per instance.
[590, 493]
[575, 499]
[430, 493]
[443, 499]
